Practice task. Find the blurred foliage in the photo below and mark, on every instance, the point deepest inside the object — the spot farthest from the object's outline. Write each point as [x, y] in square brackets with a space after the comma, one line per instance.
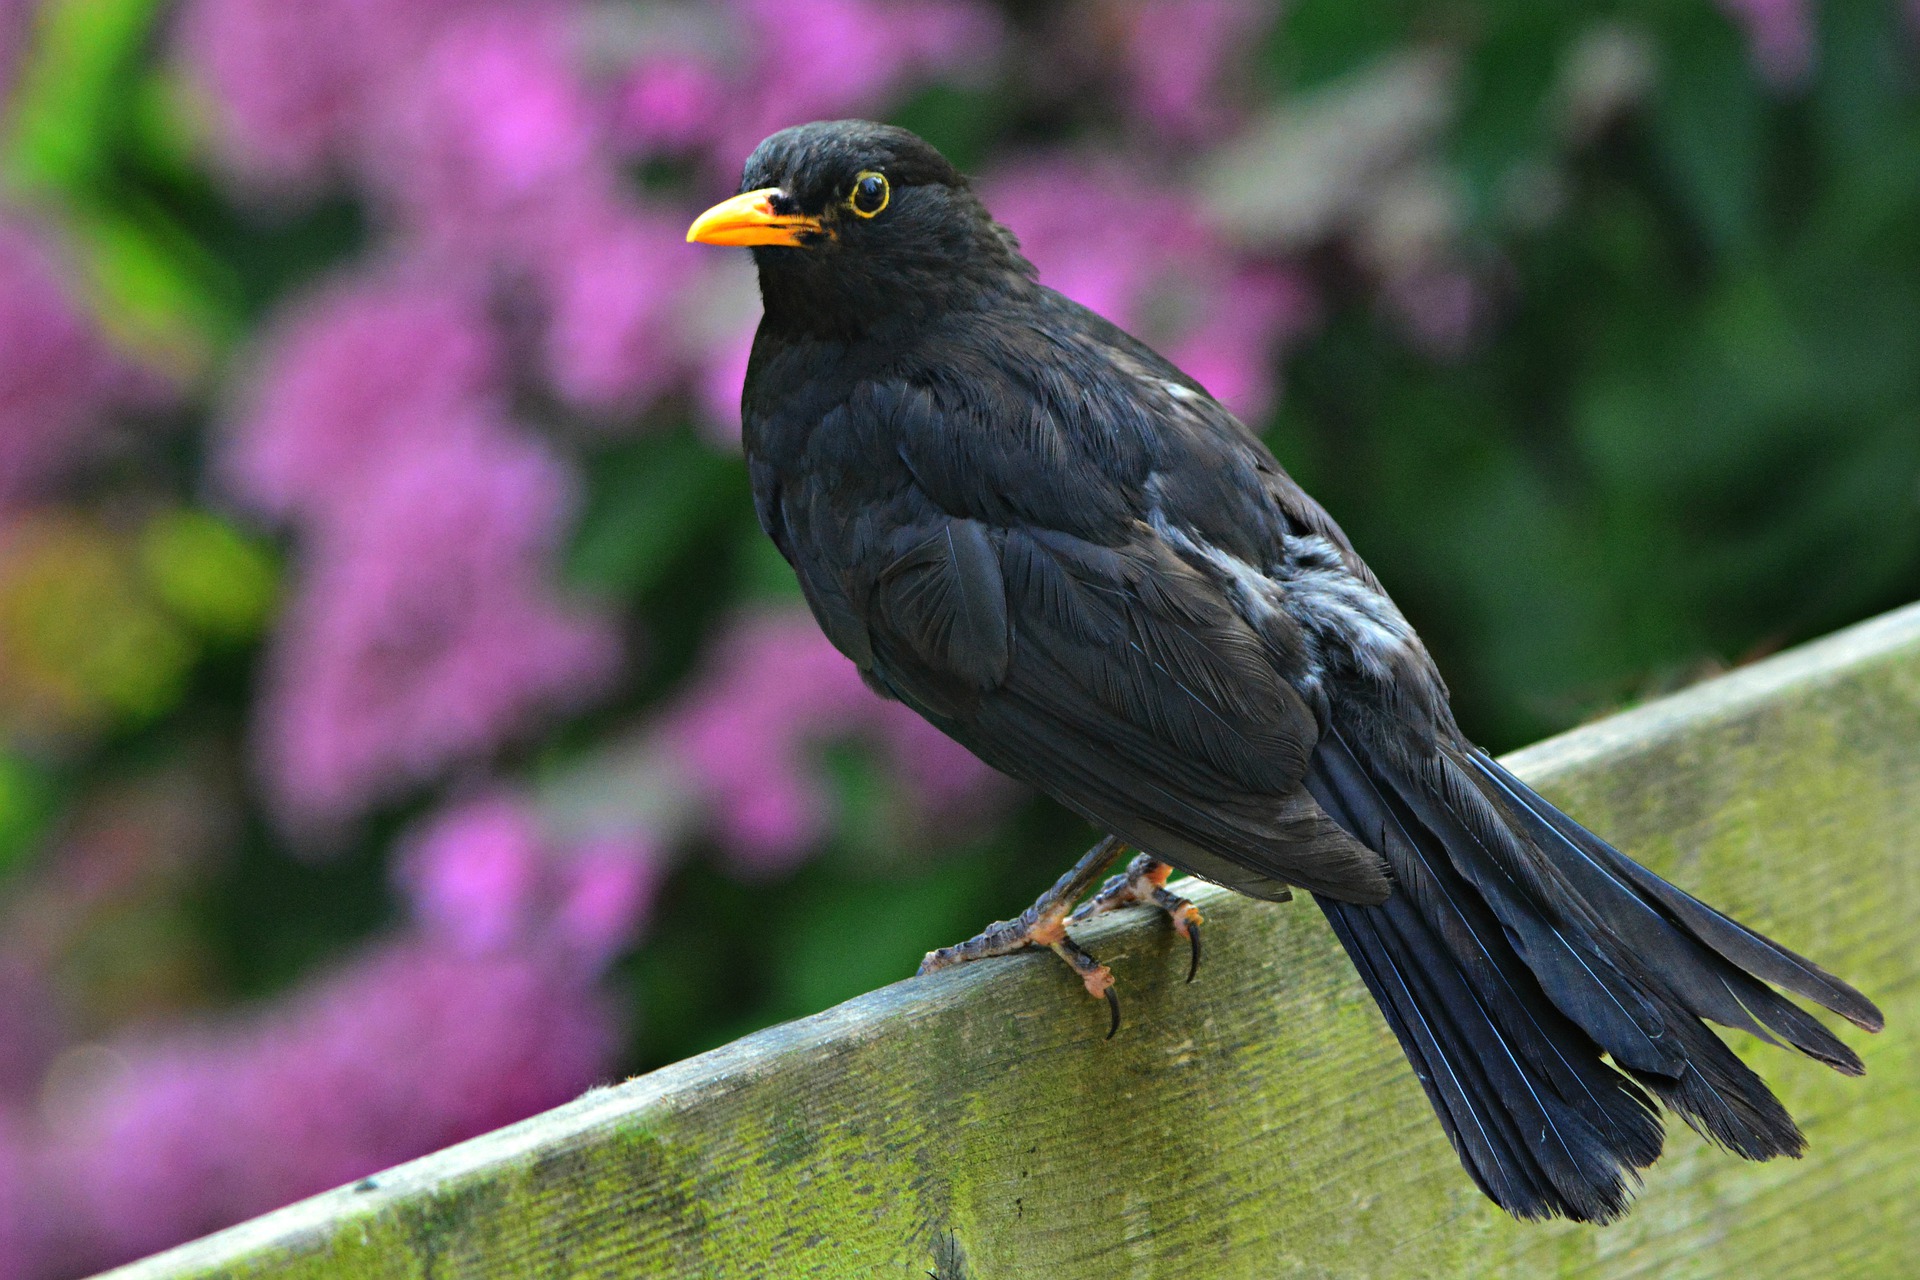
[1686, 433]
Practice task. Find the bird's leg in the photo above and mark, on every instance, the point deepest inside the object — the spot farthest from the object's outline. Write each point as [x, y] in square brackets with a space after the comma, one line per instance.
[1145, 881]
[1044, 924]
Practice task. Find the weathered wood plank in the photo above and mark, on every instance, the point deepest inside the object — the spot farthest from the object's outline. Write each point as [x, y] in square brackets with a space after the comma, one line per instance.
[1260, 1123]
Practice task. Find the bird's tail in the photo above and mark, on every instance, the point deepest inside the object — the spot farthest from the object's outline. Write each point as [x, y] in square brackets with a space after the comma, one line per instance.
[1518, 948]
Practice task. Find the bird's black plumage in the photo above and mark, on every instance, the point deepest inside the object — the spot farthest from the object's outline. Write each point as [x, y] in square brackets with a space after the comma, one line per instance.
[1033, 530]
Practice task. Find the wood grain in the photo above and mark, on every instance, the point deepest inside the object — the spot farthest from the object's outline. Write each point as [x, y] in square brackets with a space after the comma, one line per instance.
[1260, 1123]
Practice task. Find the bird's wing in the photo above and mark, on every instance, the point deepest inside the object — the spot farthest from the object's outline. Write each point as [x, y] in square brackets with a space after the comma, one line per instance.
[1121, 680]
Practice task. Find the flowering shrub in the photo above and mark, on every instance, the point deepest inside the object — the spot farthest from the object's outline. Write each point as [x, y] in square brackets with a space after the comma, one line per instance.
[403, 725]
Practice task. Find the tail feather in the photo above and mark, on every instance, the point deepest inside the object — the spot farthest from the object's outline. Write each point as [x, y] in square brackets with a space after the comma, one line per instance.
[1526, 1150]
[1759, 956]
[1475, 940]
[1654, 955]
[1519, 952]
[1540, 1122]
[1703, 979]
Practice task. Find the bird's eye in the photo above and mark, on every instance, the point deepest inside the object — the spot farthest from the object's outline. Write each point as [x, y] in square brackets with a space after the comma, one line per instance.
[870, 194]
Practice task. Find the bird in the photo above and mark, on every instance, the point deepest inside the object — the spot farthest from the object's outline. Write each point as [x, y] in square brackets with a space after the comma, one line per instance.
[1032, 529]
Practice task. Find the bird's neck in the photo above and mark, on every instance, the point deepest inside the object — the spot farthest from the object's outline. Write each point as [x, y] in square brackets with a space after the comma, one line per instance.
[806, 298]
[890, 310]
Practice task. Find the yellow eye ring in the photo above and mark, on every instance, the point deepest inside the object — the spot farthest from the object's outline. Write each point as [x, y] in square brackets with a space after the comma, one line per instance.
[870, 194]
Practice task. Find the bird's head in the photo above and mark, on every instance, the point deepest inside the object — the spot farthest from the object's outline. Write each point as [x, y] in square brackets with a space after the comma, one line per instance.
[856, 224]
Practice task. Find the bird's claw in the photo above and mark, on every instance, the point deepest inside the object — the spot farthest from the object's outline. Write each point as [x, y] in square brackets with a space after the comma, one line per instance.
[1044, 924]
[1031, 930]
[1144, 882]
[1097, 978]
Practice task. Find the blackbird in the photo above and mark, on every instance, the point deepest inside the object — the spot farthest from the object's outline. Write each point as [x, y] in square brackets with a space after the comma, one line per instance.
[1027, 526]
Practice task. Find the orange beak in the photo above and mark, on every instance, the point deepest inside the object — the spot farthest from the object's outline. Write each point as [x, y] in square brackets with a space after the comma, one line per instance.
[749, 219]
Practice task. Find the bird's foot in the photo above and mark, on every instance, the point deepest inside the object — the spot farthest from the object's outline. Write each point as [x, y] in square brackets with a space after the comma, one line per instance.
[1044, 924]
[1033, 929]
[1145, 882]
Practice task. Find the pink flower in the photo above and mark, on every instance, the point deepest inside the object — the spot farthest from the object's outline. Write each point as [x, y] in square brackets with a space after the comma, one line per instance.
[1235, 330]
[16, 24]
[26, 1205]
[723, 380]
[1079, 222]
[483, 875]
[607, 887]
[1176, 55]
[59, 380]
[944, 778]
[407, 1049]
[775, 690]
[425, 632]
[1441, 308]
[618, 285]
[671, 101]
[810, 60]
[474, 873]
[1780, 37]
[291, 84]
[365, 369]
[825, 58]
[721, 316]
[491, 134]
[772, 680]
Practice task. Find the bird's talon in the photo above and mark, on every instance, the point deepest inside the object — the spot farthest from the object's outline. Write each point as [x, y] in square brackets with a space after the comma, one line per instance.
[1186, 922]
[1144, 883]
[1096, 977]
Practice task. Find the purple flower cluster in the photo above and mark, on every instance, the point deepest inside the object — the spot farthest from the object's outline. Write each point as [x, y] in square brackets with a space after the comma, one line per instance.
[484, 877]
[425, 630]
[16, 16]
[59, 377]
[483, 135]
[1178, 58]
[775, 690]
[1780, 37]
[479, 136]
[749, 67]
[408, 1048]
[485, 1011]
[351, 377]
[297, 89]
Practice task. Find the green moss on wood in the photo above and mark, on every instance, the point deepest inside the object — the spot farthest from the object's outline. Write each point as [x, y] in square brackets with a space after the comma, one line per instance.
[1260, 1123]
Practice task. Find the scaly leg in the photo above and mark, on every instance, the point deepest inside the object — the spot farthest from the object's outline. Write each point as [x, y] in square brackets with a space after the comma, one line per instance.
[1044, 924]
[1145, 881]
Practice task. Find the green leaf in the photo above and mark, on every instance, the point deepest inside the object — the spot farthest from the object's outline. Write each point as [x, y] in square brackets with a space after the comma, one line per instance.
[82, 53]
[1504, 88]
[649, 503]
[764, 575]
[1319, 41]
[27, 801]
[961, 121]
[1709, 123]
[209, 574]
[154, 287]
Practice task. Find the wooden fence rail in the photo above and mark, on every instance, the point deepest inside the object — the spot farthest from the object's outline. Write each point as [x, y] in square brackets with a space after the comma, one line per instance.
[1260, 1123]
